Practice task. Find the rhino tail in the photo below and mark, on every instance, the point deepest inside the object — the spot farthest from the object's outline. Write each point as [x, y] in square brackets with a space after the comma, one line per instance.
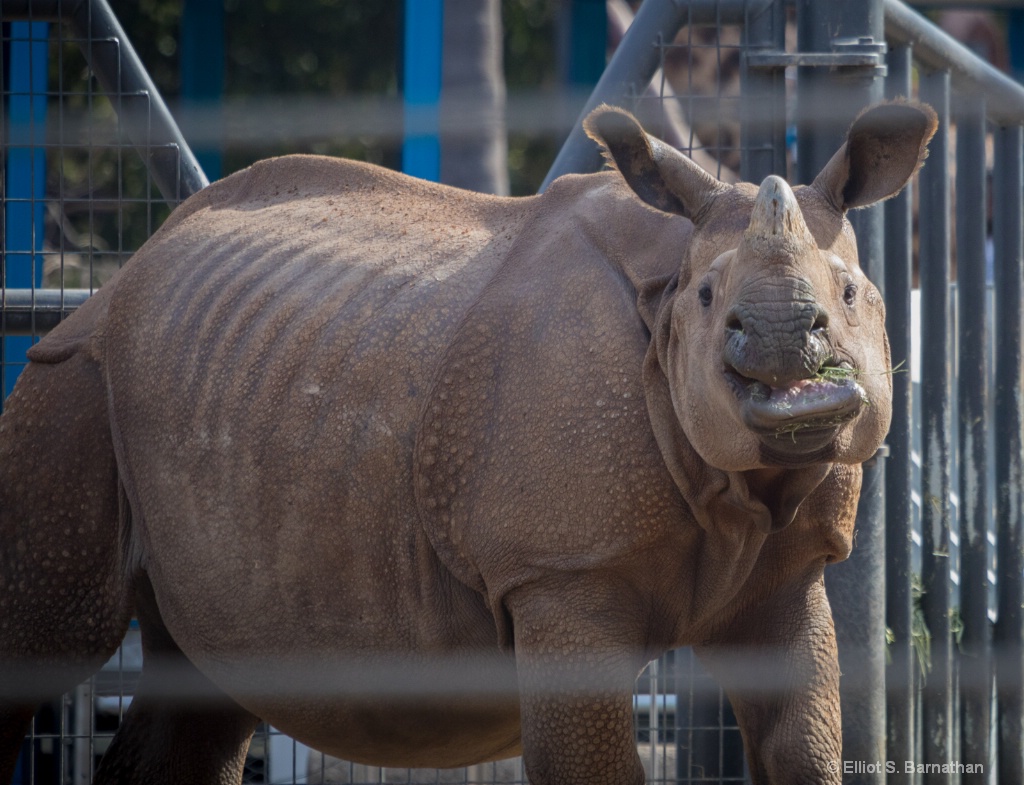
[130, 548]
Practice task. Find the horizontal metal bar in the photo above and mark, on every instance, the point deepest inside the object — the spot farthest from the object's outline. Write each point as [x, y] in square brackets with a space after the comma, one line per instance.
[814, 59]
[701, 11]
[1004, 98]
[979, 5]
[37, 311]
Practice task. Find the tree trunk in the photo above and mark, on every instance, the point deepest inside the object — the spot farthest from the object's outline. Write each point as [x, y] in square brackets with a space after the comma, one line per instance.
[473, 143]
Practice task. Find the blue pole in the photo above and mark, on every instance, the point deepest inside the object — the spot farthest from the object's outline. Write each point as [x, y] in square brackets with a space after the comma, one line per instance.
[421, 150]
[25, 177]
[1015, 34]
[588, 41]
[202, 68]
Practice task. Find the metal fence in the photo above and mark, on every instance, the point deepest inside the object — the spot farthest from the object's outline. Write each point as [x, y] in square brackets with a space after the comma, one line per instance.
[928, 609]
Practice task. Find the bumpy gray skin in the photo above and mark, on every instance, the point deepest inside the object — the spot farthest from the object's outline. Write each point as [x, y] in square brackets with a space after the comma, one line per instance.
[335, 432]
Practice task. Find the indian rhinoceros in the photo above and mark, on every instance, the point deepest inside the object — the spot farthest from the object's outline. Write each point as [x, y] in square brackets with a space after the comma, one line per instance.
[424, 477]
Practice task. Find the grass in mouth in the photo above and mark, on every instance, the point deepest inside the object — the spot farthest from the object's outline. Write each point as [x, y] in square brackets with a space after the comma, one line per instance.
[835, 373]
[838, 374]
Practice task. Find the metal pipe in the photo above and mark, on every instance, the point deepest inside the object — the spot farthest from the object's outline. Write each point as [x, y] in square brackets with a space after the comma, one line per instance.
[763, 109]
[141, 110]
[423, 44]
[1008, 237]
[899, 471]
[937, 695]
[634, 63]
[970, 74]
[34, 312]
[974, 650]
[856, 587]
[21, 246]
[139, 106]
[819, 133]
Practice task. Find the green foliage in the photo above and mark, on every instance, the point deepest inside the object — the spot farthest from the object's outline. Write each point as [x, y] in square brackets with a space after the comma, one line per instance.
[920, 635]
[153, 27]
[531, 63]
[530, 37]
[314, 46]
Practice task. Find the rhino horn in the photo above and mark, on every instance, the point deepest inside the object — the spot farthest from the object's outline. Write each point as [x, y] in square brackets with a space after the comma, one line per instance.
[777, 216]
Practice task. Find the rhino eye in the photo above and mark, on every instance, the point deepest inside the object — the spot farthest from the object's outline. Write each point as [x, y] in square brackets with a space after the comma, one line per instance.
[850, 293]
[704, 295]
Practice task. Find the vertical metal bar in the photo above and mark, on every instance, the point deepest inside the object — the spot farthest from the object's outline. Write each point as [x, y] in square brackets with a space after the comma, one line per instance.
[25, 186]
[150, 126]
[975, 649]
[585, 38]
[937, 695]
[630, 69]
[1008, 236]
[763, 108]
[202, 68]
[82, 703]
[819, 131]
[1015, 37]
[826, 104]
[421, 150]
[900, 693]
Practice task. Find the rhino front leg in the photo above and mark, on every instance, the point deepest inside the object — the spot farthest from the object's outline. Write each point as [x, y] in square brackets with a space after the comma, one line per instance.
[577, 656]
[778, 665]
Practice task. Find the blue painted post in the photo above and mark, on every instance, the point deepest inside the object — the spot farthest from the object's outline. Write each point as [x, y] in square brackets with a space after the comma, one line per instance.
[1015, 34]
[25, 177]
[588, 41]
[202, 69]
[424, 39]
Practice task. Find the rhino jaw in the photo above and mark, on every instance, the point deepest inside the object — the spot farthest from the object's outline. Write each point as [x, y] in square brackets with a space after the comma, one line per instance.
[800, 417]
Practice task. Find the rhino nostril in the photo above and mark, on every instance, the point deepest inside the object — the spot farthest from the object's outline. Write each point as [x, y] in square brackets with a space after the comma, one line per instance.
[733, 323]
[820, 322]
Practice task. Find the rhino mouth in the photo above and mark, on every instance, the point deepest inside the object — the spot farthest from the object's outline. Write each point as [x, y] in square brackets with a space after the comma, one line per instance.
[802, 415]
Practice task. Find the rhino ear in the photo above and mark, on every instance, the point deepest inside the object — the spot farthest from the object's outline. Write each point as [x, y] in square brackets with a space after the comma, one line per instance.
[885, 146]
[659, 174]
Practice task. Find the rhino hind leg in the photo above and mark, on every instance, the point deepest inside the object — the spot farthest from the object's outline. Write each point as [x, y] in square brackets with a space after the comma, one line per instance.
[64, 603]
[179, 727]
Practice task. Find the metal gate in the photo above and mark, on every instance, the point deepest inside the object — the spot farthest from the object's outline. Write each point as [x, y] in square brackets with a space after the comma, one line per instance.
[928, 609]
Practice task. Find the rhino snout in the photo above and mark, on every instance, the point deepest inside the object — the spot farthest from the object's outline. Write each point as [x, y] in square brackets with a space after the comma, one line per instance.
[777, 346]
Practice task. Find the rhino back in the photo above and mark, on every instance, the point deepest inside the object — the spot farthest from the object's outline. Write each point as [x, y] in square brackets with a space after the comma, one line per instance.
[268, 355]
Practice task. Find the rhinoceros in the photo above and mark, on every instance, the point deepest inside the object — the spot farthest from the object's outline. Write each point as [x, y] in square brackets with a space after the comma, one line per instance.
[425, 478]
